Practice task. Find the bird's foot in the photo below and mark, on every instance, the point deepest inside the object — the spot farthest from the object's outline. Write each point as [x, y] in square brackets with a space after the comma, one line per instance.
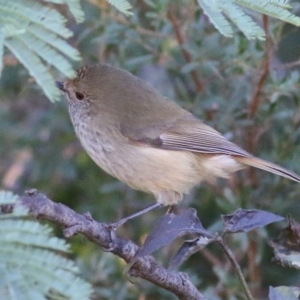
[112, 227]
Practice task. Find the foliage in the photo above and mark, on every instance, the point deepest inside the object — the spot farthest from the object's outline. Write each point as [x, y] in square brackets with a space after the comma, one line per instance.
[35, 34]
[122, 5]
[39, 148]
[216, 10]
[31, 262]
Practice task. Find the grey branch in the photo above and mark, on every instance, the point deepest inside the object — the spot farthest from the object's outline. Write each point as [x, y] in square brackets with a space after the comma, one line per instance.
[145, 267]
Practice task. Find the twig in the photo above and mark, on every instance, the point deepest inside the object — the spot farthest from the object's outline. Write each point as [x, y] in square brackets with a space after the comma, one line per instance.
[263, 70]
[254, 270]
[292, 64]
[254, 103]
[253, 134]
[236, 267]
[146, 267]
[122, 20]
[188, 58]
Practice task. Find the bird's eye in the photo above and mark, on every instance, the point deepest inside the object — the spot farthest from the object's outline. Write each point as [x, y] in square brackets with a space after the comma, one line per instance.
[79, 96]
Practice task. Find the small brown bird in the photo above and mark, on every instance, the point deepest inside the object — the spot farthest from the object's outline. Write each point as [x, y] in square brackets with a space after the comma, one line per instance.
[147, 140]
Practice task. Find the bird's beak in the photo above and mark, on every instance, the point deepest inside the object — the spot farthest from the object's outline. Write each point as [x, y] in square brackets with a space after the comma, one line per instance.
[60, 85]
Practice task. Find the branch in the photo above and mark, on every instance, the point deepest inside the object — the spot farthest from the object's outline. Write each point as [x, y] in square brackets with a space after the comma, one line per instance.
[236, 266]
[146, 267]
[263, 72]
[187, 56]
[255, 100]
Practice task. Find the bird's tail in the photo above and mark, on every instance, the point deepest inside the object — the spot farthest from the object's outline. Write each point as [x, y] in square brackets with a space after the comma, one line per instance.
[267, 166]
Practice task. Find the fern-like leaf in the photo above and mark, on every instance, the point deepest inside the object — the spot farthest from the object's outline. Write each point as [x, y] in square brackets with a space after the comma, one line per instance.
[276, 9]
[30, 264]
[216, 10]
[32, 11]
[245, 24]
[54, 41]
[47, 53]
[122, 5]
[216, 17]
[7, 197]
[74, 6]
[35, 34]
[34, 65]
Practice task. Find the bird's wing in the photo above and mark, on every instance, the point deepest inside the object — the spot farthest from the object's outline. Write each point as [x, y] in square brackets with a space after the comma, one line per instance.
[186, 135]
[202, 139]
[195, 136]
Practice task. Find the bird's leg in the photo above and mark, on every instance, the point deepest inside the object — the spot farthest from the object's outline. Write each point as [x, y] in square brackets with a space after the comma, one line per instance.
[113, 226]
[119, 223]
[170, 209]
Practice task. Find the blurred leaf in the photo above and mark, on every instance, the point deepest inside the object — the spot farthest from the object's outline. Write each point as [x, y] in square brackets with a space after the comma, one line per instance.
[216, 17]
[35, 67]
[31, 30]
[216, 10]
[7, 197]
[187, 249]
[122, 5]
[75, 9]
[31, 262]
[74, 6]
[273, 8]
[168, 228]
[290, 235]
[287, 246]
[244, 220]
[284, 293]
[285, 256]
[245, 24]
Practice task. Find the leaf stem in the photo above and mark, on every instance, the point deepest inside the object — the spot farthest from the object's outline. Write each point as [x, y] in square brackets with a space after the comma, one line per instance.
[236, 266]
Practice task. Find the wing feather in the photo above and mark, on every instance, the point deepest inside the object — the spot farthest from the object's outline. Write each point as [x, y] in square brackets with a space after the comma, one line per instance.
[195, 136]
[201, 138]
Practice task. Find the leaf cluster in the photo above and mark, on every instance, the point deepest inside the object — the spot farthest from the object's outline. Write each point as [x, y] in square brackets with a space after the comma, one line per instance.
[33, 264]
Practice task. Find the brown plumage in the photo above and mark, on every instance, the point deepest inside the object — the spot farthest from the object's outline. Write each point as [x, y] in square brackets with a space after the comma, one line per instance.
[147, 140]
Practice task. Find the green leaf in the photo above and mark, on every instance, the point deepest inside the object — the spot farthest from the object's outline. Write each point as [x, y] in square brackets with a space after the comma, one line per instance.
[54, 41]
[216, 17]
[284, 293]
[272, 8]
[32, 11]
[35, 34]
[74, 6]
[245, 24]
[7, 197]
[50, 55]
[215, 10]
[122, 5]
[31, 264]
[35, 67]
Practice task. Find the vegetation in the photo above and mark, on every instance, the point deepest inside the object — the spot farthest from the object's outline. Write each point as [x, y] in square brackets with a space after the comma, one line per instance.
[233, 67]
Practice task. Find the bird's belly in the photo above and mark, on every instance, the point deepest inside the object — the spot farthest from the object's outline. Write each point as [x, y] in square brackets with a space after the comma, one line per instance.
[156, 170]
[145, 168]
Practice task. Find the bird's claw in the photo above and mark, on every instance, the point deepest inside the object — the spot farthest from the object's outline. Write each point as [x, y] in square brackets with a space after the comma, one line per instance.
[112, 232]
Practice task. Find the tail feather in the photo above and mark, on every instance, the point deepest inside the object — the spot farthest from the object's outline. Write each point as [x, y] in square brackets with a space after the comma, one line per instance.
[267, 166]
